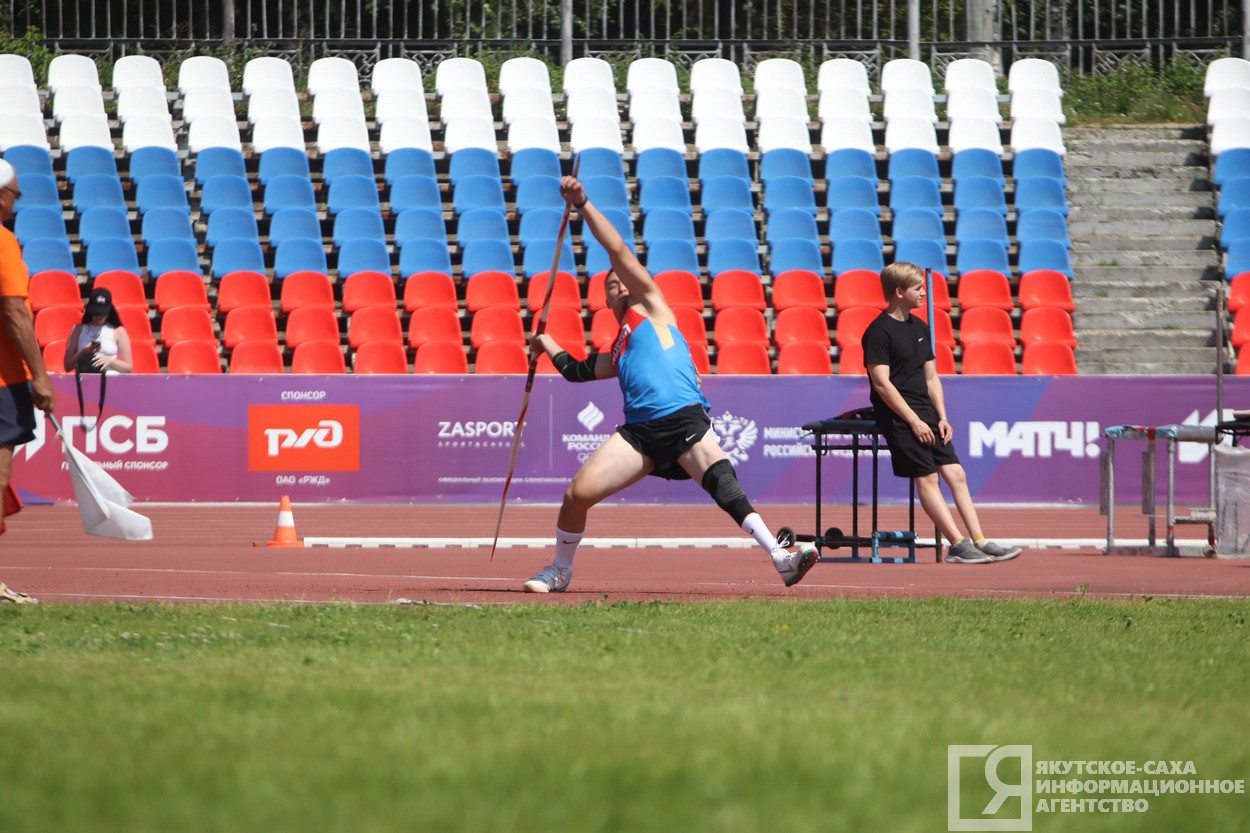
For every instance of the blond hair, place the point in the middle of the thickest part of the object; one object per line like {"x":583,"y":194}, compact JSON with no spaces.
{"x":900,"y":275}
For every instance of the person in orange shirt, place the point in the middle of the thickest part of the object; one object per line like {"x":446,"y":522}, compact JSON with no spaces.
{"x":24,"y":383}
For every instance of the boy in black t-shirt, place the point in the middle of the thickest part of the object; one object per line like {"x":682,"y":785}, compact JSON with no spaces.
{"x":909,"y":405}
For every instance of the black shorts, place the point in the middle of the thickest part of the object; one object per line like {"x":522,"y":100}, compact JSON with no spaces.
{"x":17,"y":415}
{"x":911,"y":458}
{"x":665,"y":439}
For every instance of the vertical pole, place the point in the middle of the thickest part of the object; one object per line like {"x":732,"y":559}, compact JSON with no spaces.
{"x":566,"y":31}
{"x":928,"y":298}
{"x":913,"y":29}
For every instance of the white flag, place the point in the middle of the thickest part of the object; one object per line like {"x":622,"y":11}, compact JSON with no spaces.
{"x":101,"y":500}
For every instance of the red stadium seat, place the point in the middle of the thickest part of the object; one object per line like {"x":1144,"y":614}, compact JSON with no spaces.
{"x":738,"y":288}
{"x":1240,"y":334}
{"x":306,"y":289}
{"x":804,"y":358}
{"x":740,"y":324}
{"x":143,"y":357}
{"x":256,"y":357}
{"x":850,"y":324}
{"x":799,"y":288}
{"x":858,"y":288}
{"x":54,"y":356}
{"x":375,"y":323}
{"x":54,"y":323}
{"x":441,"y":357}
{"x":1047,"y":324}
{"x":318,"y":357}
{"x":126,"y":287}
{"x":745,"y":358}
{"x":943,"y":329}
{"x":1243,"y":363}
{"x":193,"y":357}
{"x":496,"y":324}
{"x":306,"y":324}
{"x":985,"y":288}
{"x":186,"y":324}
{"x":433,"y":324}
{"x":180,"y":289}
{"x":800,"y":324}
{"x":430,"y":289}
{"x":491,"y":289}
{"x":567,"y":292}
{"x":989,"y":358}
{"x":375,"y":357}
{"x":242,"y":289}
{"x":566,"y":327}
{"x":604,"y":327}
{"x":595,"y":297}
{"x":851,"y":360}
{"x":692,"y":326}
{"x":1047,"y":288}
{"x":702,"y":364}
{"x":249,"y":324}
{"x":53,"y":288}
{"x":944,"y":359}
{"x":138,"y":324}
{"x":981,"y":324}
{"x":1048,"y":358}
{"x":681,"y":289}
{"x":501,"y":357}
{"x":367,"y":289}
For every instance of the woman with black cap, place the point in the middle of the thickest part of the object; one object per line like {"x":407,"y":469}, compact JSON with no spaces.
{"x":100,"y":344}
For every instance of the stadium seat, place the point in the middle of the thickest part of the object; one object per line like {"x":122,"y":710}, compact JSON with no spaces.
{"x":565,"y":293}
{"x":1044,"y":254}
{"x":242,"y":289}
{"x":911,"y":192}
{"x":126,"y":287}
{"x":799,"y":254}
{"x":855,"y":254}
{"x":163,"y":224}
{"x":1046,"y":288}
{"x":299,"y":254}
{"x":218,"y":161}
{"x":988,"y":358}
{"x":977,"y":254}
{"x":975,"y":133}
{"x":83,"y":161}
{"x":441,"y":357}
{"x":804,"y":358}
{"x":306,"y":288}
{"x":943,"y":330}
{"x":913,"y":162}
{"x":258,"y":357}
{"x":1048,"y":358}
{"x":239,"y":256}
{"x":977,"y":162}
{"x":681,"y":288}
{"x":311,"y":323}
{"x":54,"y":356}
{"x":724,"y":193}
{"x":1043,"y":224}
{"x":801,"y":324}
{"x":565,"y":326}
{"x":980,"y":324}
{"x":1032,"y":132}
{"x":927,"y":254}
{"x":540,"y":255}
{"x":41,"y":221}
{"x":379,"y":322}
{"x":796,"y":192}
{"x":224,"y":191}
{"x":980,"y":224}
{"x":423,"y":255}
{"x":186,"y":324}
{"x":484,"y":256}
{"x":1237,"y":258}
{"x":737,"y":224}
{"x":854,"y":224}
{"x":799,"y":288}
{"x":533,"y":161}
{"x":193,"y":357}
{"x":730,"y":256}
{"x":737,"y":288}
{"x":429,"y":289}
{"x":604,"y":328}
{"x":159,"y":191}
{"x":1231,"y":164}
{"x":138,"y":324}
{"x":230,"y":224}
{"x":850,"y":324}
{"x":368,"y":288}
{"x":980,"y":192}
{"x":346,"y":162}
{"x":413,"y":162}
{"x":172,"y":254}
{"x":1038,"y":162}
{"x":90,"y":191}
{"x":496,"y":323}
{"x":744,"y":358}
{"x":1047,"y":324}
{"x":359,"y":224}
{"x":54,"y":323}
{"x":433,"y":324}
{"x":491,"y":289}
{"x":54,"y":288}
{"x":379,"y":357}
{"x":1036,"y":192}
{"x":249,"y":323}
{"x":501,"y":358}
{"x":477,"y":191}
{"x":282,"y":161}
{"x":670,"y":255}
{"x":919,"y":224}
{"x":791,"y":224}
{"x":289,"y":191}
{"x":791,"y":162}
{"x":739,"y":324}
{"x":858,"y":288}
{"x":102,"y":223}
{"x":29,"y":159}
{"x":418,"y":223}
{"x":722,"y":162}
{"x":363,"y":255}
{"x":985,"y":288}
{"x":111,"y":254}
{"x":318,"y":357}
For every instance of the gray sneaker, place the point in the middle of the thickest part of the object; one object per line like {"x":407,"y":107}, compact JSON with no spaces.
{"x":966,"y":552}
{"x":803,"y":559}
{"x":552,"y":579}
{"x":997,"y":552}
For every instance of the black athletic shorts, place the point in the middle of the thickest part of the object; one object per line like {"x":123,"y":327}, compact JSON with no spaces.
{"x":911,"y":458}
{"x":17,"y":414}
{"x":665,"y":439}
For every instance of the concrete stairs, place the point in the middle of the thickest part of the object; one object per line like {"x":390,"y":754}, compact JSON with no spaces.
{"x":1144,"y":250}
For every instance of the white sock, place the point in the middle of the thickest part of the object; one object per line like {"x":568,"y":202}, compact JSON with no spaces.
{"x":566,"y":547}
{"x":754,"y":526}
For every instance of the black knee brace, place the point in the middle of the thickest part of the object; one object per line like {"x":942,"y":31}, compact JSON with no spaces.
{"x":721,"y":483}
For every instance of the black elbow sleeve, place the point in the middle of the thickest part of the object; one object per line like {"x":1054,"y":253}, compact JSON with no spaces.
{"x":574,"y":370}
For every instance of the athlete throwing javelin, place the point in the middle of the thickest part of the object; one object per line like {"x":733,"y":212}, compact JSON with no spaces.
{"x":667,"y":431}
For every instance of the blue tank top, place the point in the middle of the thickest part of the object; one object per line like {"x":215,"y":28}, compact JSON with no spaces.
{"x":654,"y":368}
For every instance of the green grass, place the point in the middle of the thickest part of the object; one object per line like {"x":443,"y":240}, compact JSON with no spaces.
{"x":738,"y":716}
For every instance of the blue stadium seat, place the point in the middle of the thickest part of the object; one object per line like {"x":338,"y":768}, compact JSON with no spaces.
{"x":667,"y":224}
{"x":981,"y":224}
{"x":927,"y":254}
{"x":1037,"y":162}
{"x":485,"y":255}
{"x":854,"y":223}
{"x":600,"y":162}
{"x":534,"y":162}
{"x":299,"y":254}
{"x":39,"y":221}
{"x":731,"y":223}
{"x":539,"y":224}
{"x":660,"y":162}
{"x":667,"y":255}
{"x":240,"y":256}
{"x":1042,"y":224}
{"x":48,"y":253}
{"x":918,"y":224}
{"x":980,"y":192}
{"x":415,"y":191}
{"x":606,"y":191}
{"x":915,"y":192}
{"x":664,"y":192}
{"x":225,"y":191}
{"x":172,"y":254}
{"x":341,"y":162}
{"x":1040,"y":192}
{"x":472,"y":162}
{"x":219,"y":161}
{"x":417,"y":223}
{"x":1044,"y":254}
{"x":857,"y":253}
{"x":785,"y":162}
{"x":363,"y":254}
{"x":353,"y":191}
{"x":912,"y":162}
{"x":1230,"y":164}
{"x":110,"y":254}
{"x":277,"y":162}
{"x":850,"y":162}
{"x":723,"y":162}
{"x":89,"y":160}
{"x":795,"y":253}
{"x":478,"y":191}
{"x":795,"y":192}
{"x":976,"y":162}
{"x":849,"y":192}
{"x":161,"y":191}
{"x":166,"y":224}
{"x":725,"y":255}
{"x":1238,"y":258}
{"x":358,"y":224}
{"x":289,"y":191}
{"x":791,"y":224}
{"x":29,"y":159}
{"x":102,"y":222}
{"x":538,"y":191}
{"x":90,"y":191}
{"x":538,"y":256}
{"x":153,"y":160}
{"x":424,"y":255}
{"x":726,"y":193}
{"x":481,"y":224}
{"x":1235,"y":226}
{"x":1235,"y":194}
{"x":293,"y":223}
{"x":230,"y":224}
{"x":409,"y":162}
{"x":982,"y":253}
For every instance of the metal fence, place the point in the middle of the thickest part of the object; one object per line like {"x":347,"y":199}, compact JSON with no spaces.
{"x":1082,"y":35}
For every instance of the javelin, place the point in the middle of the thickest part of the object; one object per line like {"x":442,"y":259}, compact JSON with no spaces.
{"x":533,"y":368}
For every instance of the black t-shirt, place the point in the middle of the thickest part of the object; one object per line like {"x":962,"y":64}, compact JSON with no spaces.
{"x":905,"y":346}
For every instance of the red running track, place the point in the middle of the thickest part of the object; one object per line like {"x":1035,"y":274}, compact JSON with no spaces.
{"x":207,"y":553}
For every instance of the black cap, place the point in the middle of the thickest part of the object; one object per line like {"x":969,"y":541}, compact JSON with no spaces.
{"x":99,"y":302}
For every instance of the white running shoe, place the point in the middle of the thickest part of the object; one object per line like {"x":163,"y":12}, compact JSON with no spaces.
{"x":11,"y":596}
{"x":552,"y":579}
{"x":801,"y":560}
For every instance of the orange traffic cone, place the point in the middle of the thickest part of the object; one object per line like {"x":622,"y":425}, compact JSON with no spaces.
{"x":284,"y":533}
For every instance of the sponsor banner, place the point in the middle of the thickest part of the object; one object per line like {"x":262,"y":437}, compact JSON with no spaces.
{"x":437,"y":438}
